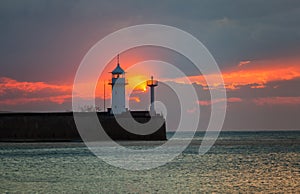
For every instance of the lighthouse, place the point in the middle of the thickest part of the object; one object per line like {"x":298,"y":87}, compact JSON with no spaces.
{"x":118,"y":83}
{"x":152,"y":83}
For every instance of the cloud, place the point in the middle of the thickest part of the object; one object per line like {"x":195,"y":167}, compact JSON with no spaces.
{"x":282,"y":88}
{"x":51,"y":37}
{"x":13,"y":92}
{"x":277,"y":101}
{"x":257,"y":75}
{"x":135,"y":98}
{"x":22,"y":100}
{"x":242,"y":63}
{"x":210,"y":102}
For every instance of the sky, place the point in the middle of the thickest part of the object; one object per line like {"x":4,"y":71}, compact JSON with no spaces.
{"x":255,"y":43}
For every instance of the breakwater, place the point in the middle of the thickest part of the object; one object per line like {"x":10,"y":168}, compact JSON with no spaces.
{"x":60,"y":126}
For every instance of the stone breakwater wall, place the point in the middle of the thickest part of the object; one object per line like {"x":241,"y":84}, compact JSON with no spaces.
{"x":26,"y":127}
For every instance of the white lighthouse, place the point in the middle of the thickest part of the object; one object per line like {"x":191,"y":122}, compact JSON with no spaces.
{"x":118,"y":83}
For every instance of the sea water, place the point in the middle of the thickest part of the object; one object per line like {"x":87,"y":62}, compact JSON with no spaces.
{"x":238,"y":162}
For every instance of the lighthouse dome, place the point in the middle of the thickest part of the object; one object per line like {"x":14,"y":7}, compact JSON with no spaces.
{"x":118,"y":70}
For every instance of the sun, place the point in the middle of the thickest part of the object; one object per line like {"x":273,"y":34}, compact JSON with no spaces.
{"x":138,"y":82}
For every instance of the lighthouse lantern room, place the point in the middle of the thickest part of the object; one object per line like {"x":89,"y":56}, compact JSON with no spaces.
{"x":118,"y":83}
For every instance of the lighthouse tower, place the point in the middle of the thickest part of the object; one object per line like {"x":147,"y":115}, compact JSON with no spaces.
{"x":152,"y":84}
{"x":118,"y":83}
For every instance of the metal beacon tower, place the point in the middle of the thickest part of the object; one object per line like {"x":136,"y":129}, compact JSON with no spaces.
{"x":152,"y":83}
{"x":118,"y":83}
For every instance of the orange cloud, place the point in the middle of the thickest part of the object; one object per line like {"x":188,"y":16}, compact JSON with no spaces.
{"x":8,"y":83}
{"x":258,"y":74}
{"x":13,"y":92}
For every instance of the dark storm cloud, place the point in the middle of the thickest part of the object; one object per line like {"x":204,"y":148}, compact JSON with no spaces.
{"x":49,"y":38}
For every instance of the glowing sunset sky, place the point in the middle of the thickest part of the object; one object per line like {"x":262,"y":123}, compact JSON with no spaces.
{"x":256,"y":44}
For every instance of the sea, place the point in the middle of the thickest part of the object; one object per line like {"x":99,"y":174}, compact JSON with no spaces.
{"x":238,"y":162}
